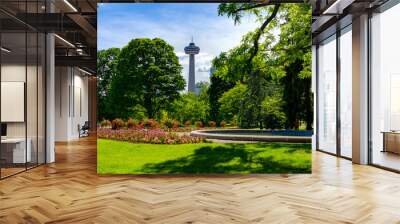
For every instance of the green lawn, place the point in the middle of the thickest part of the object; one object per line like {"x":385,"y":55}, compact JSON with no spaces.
{"x":115,"y":157}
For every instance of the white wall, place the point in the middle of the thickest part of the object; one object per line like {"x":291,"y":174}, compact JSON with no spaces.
{"x":71,"y":94}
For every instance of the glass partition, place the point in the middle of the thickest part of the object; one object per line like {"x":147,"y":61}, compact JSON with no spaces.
{"x":14,"y":153}
{"x":327,"y":95}
{"x":22,"y":77}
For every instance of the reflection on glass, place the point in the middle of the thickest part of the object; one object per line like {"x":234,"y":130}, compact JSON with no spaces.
{"x":346,"y":93}
{"x":327,"y":95}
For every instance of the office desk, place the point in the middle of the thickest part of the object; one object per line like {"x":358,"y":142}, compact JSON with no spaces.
{"x":13,"y":150}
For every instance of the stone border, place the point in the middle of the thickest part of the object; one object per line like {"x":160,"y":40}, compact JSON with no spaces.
{"x":212,"y":134}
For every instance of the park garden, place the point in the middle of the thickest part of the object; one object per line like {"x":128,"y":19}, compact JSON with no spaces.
{"x":145,"y":117}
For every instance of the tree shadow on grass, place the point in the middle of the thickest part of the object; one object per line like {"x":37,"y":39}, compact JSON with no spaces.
{"x":286,"y":147}
{"x":230,"y":158}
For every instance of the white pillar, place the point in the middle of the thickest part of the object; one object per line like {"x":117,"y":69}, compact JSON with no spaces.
{"x":360,"y":89}
{"x":50,"y":99}
{"x":314,"y":91}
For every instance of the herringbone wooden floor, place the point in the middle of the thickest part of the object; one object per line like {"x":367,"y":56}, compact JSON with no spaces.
{"x":70,"y":191}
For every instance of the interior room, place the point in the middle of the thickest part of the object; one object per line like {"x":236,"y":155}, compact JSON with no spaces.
{"x":22,"y":99}
{"x":72,"y":111}
{"x":48,"y":64}
{"x":385,"y":89}
{"x":47,"y":80}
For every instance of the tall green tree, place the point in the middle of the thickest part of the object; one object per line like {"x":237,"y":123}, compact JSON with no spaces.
{"x":106,"y":71}
{"x":289,"y":57}
{"x":294,"y":48}
{"x":149,"y":77}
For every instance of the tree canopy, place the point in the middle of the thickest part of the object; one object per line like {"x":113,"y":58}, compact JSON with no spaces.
{"x":149,"y":76}
{"x":266,"y":61}
{"x":106,"y":70}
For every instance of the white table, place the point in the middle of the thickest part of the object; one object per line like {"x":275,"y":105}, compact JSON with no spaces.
{"x":19,"y":155}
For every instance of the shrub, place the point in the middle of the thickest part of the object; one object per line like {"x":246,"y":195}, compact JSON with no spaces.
{"x":198,"y":124}
{"x":188,"y":123}
{"x":132,"y":123}
{"x":273,"y":115}
{"x":150,"y":124}
{"x":222,"y":124}
{"x":154,"y":136}
{"x":105,"y":123}
{"x":168,"y":123}
{"x":175,"y":124}
{"x":189,"y":107}
{"x":117,"y":124}
{"x":212,"y":124}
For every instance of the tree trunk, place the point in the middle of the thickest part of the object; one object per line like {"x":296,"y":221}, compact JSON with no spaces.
{"x":149,"y":106}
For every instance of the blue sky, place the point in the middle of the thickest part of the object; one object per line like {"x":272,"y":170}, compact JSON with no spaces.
{"x":175,"y":23}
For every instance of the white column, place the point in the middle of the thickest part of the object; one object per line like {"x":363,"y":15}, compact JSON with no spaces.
{"x":360,"y":90}
{"x":314,"y":91}
{"x":50,"y":98}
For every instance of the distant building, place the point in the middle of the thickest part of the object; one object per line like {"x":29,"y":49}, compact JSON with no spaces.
{"x":192,"y":50}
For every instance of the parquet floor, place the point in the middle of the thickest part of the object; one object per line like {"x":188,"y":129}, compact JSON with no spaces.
{"x":70,"y":191}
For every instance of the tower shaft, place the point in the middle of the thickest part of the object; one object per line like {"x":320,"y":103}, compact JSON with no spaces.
{"x":191,"y":84}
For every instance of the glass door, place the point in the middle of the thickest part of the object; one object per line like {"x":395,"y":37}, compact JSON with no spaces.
{"x":327,"y":95}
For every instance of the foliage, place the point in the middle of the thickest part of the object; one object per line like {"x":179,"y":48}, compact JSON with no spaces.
{"x":203,"y":90}
{"x":149,"y":75}
{"x":283,"y":63}
{"x":263,"y":82}
{"x":212,"y":124}
{"x":296,"y":57}
{"x":106,"y":71}
{"x":189,"y":107}
{"x":273,"y":115}
{"x":231,"y":101}
{"x":168,"y":123}
{"x":198,"y":124}
{"x":105,"y":123}
{"x":153,"y":136}
{"x":222,"y":124}
{"x":217,"y":87}
{"x":117,"y":124}
{"x":150,"y":124}
{"x":132,"y":123}
{"x":205,"y":158}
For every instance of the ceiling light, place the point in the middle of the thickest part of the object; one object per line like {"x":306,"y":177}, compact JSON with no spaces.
{"x":70,"y":5}
{"x":65,"y":41}
{"x":5,"y":50}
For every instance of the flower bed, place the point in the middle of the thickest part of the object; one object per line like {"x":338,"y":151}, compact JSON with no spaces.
{"x":153,"y":136}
